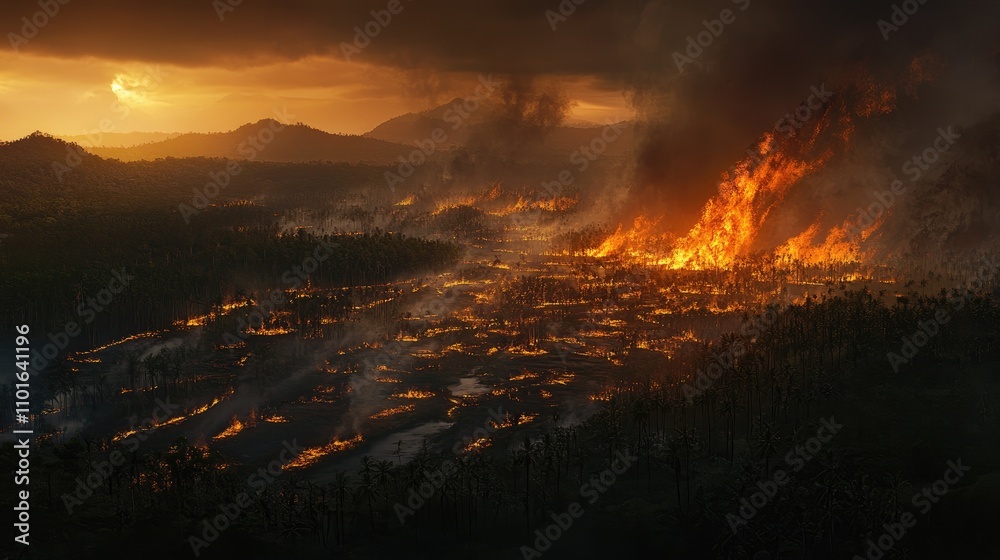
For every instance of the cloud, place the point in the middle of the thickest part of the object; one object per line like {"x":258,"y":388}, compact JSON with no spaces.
{"x":696,"y":123}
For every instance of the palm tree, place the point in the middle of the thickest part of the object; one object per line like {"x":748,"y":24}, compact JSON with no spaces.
{"x":527,"y":483}
{"x":384,"y":474}
{"x":368,"y":485}
{"x":341,"y":487}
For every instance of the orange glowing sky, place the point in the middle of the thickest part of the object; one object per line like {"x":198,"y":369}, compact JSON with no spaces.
{"x":220,"y":69}
{"x":72,"y":96}
{"x":223,"y":69}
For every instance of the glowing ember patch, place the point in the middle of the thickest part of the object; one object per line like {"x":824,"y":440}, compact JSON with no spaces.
{"x":88,"y":360}
{"x":78,"y":357}
{"x":271,"y":331}
{"x":478,"y":445}
{"x":508,"y":421}
{"x":413,"y":394}
{"x":202,"y":320}
{"x":561,"y":379}
{"x":604,"y":396}
{"x":687,"y":336}
{"x":313,"y":455}
{"x":48,"y":436}
{"x":440,"y":331}
{"x":526,"y":418}
{"x":176,"y":419}
{"x":428,"y":354}
{"x":393,"y":411}
{"x":140,"y":389}
{"x":450,"y":205}
{"x":276,"y":419}
{"x":520,"y":350}
{"x":234,"y":428}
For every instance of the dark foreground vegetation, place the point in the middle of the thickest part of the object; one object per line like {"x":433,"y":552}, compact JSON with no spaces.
{"x":72,"y":238}
{"x":697,"y":454}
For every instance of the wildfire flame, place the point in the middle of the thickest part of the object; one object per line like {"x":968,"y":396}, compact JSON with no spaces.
{"x":312,"y":455}
{"x":393,"y":411}
{"x":174,"y":420}
{"x":234,"y":428}
{"x":730,"y":222}
{"x":843,"y":244}
{"x":413,"y":394}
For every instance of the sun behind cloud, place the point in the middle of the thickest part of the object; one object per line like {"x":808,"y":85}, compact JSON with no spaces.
{"x":134,"y":89}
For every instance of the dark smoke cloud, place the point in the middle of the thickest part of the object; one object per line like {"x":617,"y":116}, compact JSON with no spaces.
{"x":517,"y":119}
{"x":699,"y":122}
{"x":504,"y":36}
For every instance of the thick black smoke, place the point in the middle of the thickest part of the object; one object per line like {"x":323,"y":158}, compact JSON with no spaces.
{"x":516,"y":120}
{"x":704,"y":103}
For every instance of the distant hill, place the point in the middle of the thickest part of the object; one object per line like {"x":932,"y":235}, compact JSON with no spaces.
{"x":459,"y":126}
{"x":118,"y":139}
{"x":259,"y":141}
{"x":36,"y":149}
{"x":269,"y":140}
{"x":39,"y":157}
{"x":45,"y":177}
{"x":405,"y":129}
